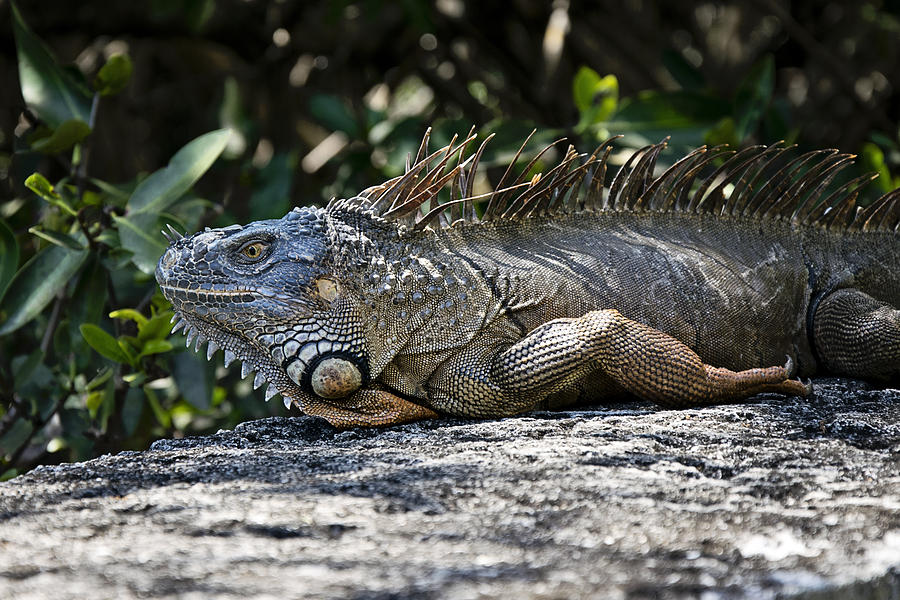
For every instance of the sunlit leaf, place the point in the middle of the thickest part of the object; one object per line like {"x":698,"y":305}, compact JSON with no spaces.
{"x":48,"y":89}
{"x":583,"y":88}
{"x":63,"y":137}
{"x":38,"y":184}
{"x":595,"y":97}
{"x":93,"y":402}
{"x":872,"y":159}
{"x":114,"y":75}
{"x":37,"y":283}
{"x":129,"y":313}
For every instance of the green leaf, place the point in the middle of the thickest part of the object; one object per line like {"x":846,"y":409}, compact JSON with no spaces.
{"x":103,"y":343}
{"x":139,"y":234}
{"x":17,"y":435}
{"x":654,"y":110}
{"x":98,"y":380}
{"x":161,"y":189}
{"x":687,"y":76}
{"x":753,"y":96}
{"x":63,"y":137}
{"x":36,"y":284}
{"x":115,"y":194}
{"x":161,"y":414}
{"x":194,"y":377}
{"x":132,"y":409}
{"x":110,"y":237}
{"x":109,"y":403}
{"x":24,"y":367}
{"x":157,"y":328}
{"x":155,"y":347}
{"x":55,"y":237}
{"x":135,"y":379}
{"x":331,"y":111}
{"x":114,"y":75}
{"x":89,"y":296}
{"x":9,"y":474}
{"x":48,"y":89}
{"x":9,"y":256}
{"x":722,"y":133}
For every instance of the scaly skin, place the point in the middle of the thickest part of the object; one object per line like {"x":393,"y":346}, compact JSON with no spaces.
{"x":364,"y":315}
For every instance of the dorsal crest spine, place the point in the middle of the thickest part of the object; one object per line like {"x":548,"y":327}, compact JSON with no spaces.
{"x":763,"y":182}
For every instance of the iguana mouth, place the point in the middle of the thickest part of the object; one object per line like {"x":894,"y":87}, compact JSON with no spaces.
{"x":199,"y":331}
{"x":204,"y":293}
{"x":220,"y":291}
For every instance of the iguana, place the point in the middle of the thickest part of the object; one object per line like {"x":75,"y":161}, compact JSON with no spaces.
{"x":682,"y":287}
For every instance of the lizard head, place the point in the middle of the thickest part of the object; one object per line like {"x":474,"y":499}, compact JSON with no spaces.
{"x":263,"y":293}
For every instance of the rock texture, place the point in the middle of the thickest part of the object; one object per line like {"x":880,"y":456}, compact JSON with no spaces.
{"x":776,"y":499}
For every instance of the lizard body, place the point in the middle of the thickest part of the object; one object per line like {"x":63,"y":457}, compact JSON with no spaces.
{"x":676,"y":288}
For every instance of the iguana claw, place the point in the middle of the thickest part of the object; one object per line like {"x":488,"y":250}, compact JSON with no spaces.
{"x":789,"y":366}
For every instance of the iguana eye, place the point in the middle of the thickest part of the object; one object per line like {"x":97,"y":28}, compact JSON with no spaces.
{"x":253,"y":250}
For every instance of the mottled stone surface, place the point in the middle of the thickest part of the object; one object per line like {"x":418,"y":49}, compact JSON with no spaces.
{"x":781,"y":498}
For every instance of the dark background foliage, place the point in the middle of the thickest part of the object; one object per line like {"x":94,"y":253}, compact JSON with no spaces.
{"x":326,"y":98}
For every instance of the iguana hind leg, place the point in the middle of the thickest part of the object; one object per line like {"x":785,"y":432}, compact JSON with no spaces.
{"x":857,"y":335}
{"x":634,"y":357}
{"x":642,"y":360}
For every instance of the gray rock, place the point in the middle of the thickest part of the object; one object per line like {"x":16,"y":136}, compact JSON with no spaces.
{"x":781,"y":498}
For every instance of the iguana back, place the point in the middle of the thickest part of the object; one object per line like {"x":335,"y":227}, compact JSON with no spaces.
{"x":738,"y":290}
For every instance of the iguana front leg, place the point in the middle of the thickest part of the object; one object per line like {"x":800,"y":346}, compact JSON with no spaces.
{"x":643,"y":361}
{"x":365,"y":408}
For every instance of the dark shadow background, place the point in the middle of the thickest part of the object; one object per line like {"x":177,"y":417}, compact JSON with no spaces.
{"x":474,"y":62}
